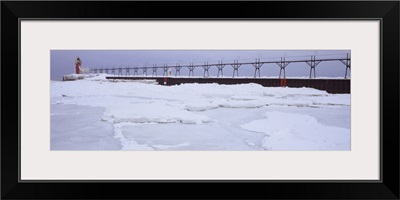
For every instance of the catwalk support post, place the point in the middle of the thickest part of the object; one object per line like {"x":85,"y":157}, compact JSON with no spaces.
{"x":313,"y":63}
{"x":191,"y":68}
{"x":178,"y":69}
{"x":206,"y":67}
{"x":220,"y":67}
{"x":347,"y":63}
{"x":154,"y":70}
{"x":257,"y":65}
{"x":235,"y":66}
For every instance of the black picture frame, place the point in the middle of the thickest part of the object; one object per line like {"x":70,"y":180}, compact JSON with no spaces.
{"x":386,"y":11}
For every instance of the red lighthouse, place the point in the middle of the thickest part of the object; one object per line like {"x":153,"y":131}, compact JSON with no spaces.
{"x":78,"y":63}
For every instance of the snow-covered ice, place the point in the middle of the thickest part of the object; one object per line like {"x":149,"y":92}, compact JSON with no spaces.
{"x":99,"y":114}
{"x":283,"y":130}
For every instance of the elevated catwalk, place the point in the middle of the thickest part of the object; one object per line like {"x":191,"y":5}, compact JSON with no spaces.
{"x":329,"y":85}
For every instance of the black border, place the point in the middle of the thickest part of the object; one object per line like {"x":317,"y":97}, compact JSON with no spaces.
{"x":386,"y":11}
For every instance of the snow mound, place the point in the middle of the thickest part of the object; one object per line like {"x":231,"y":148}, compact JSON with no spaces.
{"x":243,"y":104}
{"x":157,"y":112}
{"x":201,"y":105}
{"x":72,"y":77}
{"x":98,"y":77}
{"x":293,"y":92}
{"x":224,"y":103}
{"x":244,"y":98}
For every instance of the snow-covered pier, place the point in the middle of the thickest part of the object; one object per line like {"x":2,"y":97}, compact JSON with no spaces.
{"x":334,"y":86}
{"x":74,"y":77}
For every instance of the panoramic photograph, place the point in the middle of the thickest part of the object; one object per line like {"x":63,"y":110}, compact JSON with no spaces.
{"x":200,"y":100}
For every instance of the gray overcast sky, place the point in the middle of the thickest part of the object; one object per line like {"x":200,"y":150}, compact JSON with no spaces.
{"x":62,"y":61}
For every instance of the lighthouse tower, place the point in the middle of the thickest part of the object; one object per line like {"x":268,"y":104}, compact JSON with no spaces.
{"x":78,"y":63}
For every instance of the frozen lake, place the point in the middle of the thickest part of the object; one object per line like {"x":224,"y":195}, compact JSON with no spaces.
{"x":97,"y":114}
